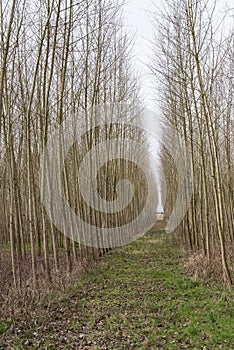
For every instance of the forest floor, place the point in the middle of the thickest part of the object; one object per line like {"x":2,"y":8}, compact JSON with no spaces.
{"x":137,"y":297}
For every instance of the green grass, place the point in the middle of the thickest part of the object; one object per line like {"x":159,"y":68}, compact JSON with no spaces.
{"x":139,"y":297}
{"x":5,"y":325}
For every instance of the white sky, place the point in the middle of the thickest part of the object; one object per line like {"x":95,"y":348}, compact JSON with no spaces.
{"x":136,"y":17}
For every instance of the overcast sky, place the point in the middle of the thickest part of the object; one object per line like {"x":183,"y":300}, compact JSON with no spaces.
{"x":137,"y":21}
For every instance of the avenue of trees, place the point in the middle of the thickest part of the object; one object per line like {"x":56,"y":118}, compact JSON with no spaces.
{"x":60,"y":59}
{"x":194,"y":70}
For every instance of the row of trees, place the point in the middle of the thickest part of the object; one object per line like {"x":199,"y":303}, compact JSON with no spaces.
{"x":57,"y":57}
{"x":194,"y":67}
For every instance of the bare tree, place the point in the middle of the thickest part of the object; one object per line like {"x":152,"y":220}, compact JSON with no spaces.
{"x":195,"y":92}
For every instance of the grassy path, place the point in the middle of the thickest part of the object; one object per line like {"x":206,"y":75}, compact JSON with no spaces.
{"x":138,"y":298}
